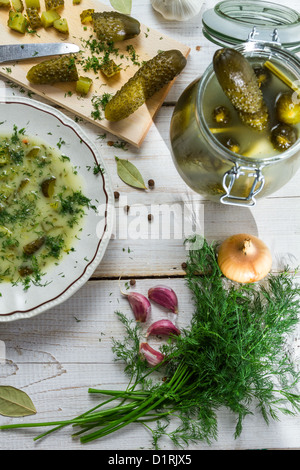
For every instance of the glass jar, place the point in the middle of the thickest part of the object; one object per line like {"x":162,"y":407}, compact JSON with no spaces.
{"x":205,"y":164}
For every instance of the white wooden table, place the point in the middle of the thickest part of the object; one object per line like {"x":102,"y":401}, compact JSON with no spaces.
{"x":56,"y":356}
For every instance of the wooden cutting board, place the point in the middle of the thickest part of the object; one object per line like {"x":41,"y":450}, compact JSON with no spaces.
{"x":149,"y":42}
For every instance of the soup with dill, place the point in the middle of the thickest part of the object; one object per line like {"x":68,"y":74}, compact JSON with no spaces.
{"x":41,"y":207}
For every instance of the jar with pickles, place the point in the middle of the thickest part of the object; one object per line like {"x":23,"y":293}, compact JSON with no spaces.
{"x":235,"y":132}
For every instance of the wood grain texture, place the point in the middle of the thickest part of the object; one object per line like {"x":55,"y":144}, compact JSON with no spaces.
{"x":146,"y":45}
{"x":57,"y":356}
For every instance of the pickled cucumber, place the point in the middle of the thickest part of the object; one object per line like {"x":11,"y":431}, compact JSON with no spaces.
{"x":263,"y":75}
{"x":34,"y":19}
{"x":48,"y":185}
{"x":4,"y":3}
{"x":109,"y":68}
{"x":288,"y":109}
{"x":48,"y":18}
{"x":112,"y":26}
{"x":54,"y":4}
{"x":258,"y":121}
{"x":86,"y":16}
{"x":32,"y":4}
{"x":4,"y":156}
{"x":61,"y":69}
{"x":283,"y":136}
{"x":221,"y":115}
{"x":150,"y":78}
{"x":34,"y":246}
{"x":83,"y":85}
{"x":17,"y":22}
{"x":238,"y":80}
{"x":17,"y":5}
{"x":61,"y":25}
{"x":240,"y":84}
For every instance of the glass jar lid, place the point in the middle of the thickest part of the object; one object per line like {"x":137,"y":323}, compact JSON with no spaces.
{"x":232,"y":22}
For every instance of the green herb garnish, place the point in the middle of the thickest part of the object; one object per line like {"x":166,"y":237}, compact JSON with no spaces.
{"x":232,"y":355}
{"x":99,"y":103}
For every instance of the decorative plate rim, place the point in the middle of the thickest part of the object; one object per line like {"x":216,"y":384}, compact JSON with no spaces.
{"x":103,"y":242}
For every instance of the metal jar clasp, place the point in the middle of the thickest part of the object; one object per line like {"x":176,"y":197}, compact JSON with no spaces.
{"x":264,"y":36}
{"x":232,"y":175}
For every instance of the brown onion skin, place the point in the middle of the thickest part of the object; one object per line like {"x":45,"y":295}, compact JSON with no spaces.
{"x":244,"y":258}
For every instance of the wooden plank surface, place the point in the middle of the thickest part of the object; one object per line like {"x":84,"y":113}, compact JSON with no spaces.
{"x":56,"y":356}
{"x":145,"y":46}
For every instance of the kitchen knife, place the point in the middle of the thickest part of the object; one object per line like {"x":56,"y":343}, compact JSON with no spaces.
{"x":12,"y":52}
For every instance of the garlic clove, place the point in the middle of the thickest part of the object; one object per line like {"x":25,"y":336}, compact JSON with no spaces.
{"x":180,"y":10}
{"x":163,"y":327}
{"x":164,"y":296}
{"x":140,"y":305}
{"x":151,"y":355}
{"x":244,"y":258}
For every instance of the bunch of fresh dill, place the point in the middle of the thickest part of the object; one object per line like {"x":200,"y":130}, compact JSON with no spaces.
{"x":231,"y":355}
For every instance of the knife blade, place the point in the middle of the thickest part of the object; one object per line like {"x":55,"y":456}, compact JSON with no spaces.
{"x":12,"y":52}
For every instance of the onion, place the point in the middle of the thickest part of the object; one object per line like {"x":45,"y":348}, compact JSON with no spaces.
{"x":244,"y":258}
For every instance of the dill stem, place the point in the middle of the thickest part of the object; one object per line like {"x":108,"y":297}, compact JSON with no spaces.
{"x":120,"y":423}
{"x":80,"y":416}
{"x":81,"y":420}
{"x":136,"y":394}
{"x":180,"y":377}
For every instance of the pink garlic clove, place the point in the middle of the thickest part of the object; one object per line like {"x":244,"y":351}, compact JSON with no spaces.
{"x":164,"y":296}
{"x":152,"y":356}
{"x":140,"y":305}
{"x":163,"y":327}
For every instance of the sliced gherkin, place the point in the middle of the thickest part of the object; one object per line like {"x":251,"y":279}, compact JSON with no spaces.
{"x":4,"y":156}
{"x":4,"y":3}
{"x":17,"y":22}
{"x":48,"y":17}
{"x":83,"y":85}
{"x":47,"y":186}
{"x":34,"y":18}
{"x":109,"y":68}
{"x":86,"y":15}
{"x":114,"y":26}
{"x":149,"y":79}
{"x":33,"y":4}
{"x":34,"y":246}
{"x":61,"y":69}
{"x":25,"y":271}
{"x":23,"y":184}
{"x":54,"y":4}
{"x":17,"y":5}
{"x":61,"y":25}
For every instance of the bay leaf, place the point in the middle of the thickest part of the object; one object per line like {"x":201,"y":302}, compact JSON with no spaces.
{"x":15,"y":403}
{"x":123,"y":6}
{"x":129,"y":174}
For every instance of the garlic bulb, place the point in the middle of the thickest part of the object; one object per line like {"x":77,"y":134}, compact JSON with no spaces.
{"x":180,"y":10}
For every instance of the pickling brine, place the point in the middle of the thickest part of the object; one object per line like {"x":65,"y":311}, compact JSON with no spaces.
{"x":224,"y":153}
{"x":236,"y":135}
